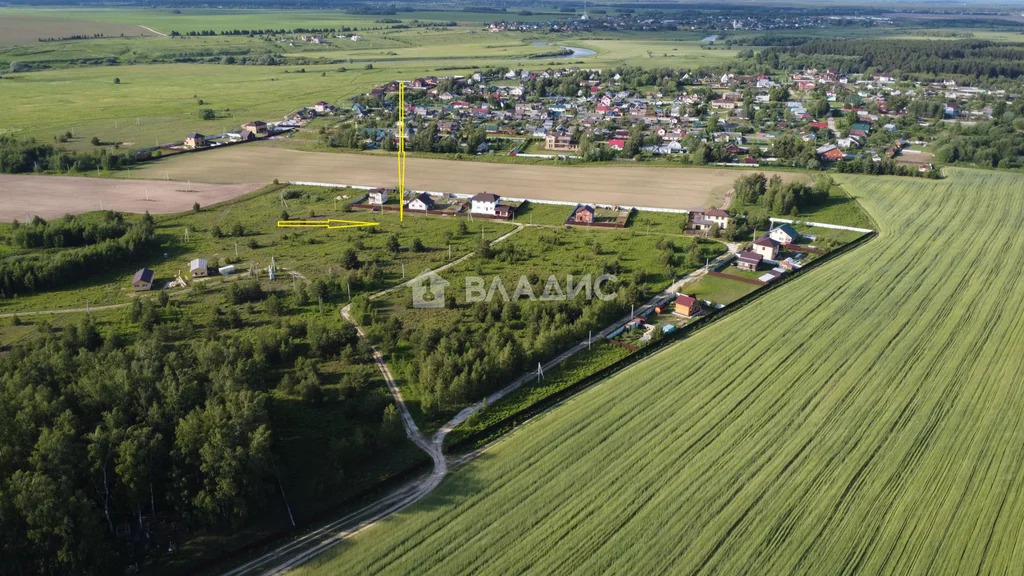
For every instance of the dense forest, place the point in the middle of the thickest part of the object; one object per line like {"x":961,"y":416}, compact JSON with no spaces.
{"x":975,"y":58}
{"x":117,"y":444}
{"x":996,"y":144}
{"x":26,"y":274}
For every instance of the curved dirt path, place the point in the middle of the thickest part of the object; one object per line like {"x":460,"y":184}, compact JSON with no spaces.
{"x":300,"y":550}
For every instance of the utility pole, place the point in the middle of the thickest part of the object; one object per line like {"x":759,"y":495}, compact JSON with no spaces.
{"x":348,"y":285}
{"x":590,"y":339}
{"x":540,"y":372}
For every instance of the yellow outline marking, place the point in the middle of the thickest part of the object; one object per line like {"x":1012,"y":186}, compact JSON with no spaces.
{"x":401,"y":151}
{"x":329,"y":224}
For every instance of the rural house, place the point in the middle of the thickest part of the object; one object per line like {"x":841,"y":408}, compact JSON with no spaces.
{"x":198,"y":268}
{"x":257,"y":127}
{"x":484,"y":203}
{"x":687,"y":306}
{"x":195,"y":140}
{"x":583,"y":215}
{"x":784,"y":234}
{"x":705,"y":219}
{"x":766,"y":248}
{"x":143,"y":280}
{"x":378,"y":196}
{"x":422,"y":201}
{"x":560,"y":142}
{"x":747,"y":260}
{"x":503,"y":211}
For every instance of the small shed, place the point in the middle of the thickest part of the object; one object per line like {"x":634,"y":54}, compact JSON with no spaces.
{"x":687,"y":306}
{"x":199,"y":268}
{"x":226,"y":270}
{"x":584,"y":215}
{"x":143,"y":280}
{"x":747,"y":260}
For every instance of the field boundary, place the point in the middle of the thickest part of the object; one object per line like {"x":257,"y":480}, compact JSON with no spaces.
{"x":509,"y":198}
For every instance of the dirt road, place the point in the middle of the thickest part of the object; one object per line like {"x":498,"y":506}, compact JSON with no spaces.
{"x":23,"y":196}
{"x":626,"y":184}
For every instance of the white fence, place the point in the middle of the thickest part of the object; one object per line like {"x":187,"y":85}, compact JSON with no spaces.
{"x":821,"y":225}
{"x":509,"y":198}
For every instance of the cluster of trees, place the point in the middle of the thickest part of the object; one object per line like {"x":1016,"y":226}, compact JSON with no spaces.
{"x":27,"y":155}
{"x":774,"y":196}
{"x":464,"y":361}
{"x":426,"y":139}
{"x":999,"y":143}
{"x":262,"y":32}
{"x":68,"y":231}
{"x":976,"y":58}
{"x":117,"y":444}
{"x":26,"y":275}
{"x":100,"y":436}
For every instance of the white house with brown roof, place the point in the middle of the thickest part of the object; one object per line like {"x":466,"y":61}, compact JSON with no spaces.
{"x":484,"y":203}
{"x":422,"y":202}
{"x":378,"y":196}
{"x":766,"y":248}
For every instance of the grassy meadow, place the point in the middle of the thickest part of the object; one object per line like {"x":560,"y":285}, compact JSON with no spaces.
{"x":865,"y":419}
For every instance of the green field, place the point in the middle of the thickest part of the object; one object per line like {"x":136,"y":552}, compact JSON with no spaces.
{"x":865,"y":419}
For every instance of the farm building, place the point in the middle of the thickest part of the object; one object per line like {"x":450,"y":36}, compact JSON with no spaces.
{"x":378,"y":196}
{"x":143,"y":280}
{"x":422,"y":201}
{"x":484,"y":203}
{"x":766,"y":248}
{"x":246,"y":136}
{"x":199,"y":268}
{"x":583,"y":215}
{"x":747,"y":260}
{"x":784,"y":234}
{"x":195,"y":140}
{"x":687,"y":306}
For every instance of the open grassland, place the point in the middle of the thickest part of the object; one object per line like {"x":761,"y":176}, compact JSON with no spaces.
{"x":865,"y":419}
{"x":244,"y":232}
{"x":621,"y":184}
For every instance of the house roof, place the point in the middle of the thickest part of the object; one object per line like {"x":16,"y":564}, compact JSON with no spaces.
{"x":788,"y":230}
{"x":585,"y":208}
{"x":765,"y":241}
{"x":143,"y":275}
{"x":717,"y":214}
{"x":195,"y":135}
{"x":425,"y":198}
{"x":485,"y":197}
{"x":245,"y":134}
{"x":684,"y":300}
{"x":752,"y":257}
{"x":197,"y":263}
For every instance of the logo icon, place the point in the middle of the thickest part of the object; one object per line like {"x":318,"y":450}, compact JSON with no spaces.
{"x":428,"y":290}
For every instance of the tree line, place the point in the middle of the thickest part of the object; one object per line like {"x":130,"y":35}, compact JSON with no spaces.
{"x":976,"y":58}
{"x":21,"y":275}
{"x":28,"y":155}
{"x":69,"y":231}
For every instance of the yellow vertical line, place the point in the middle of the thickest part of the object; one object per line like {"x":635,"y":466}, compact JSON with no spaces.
{"x":401,"y":151}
